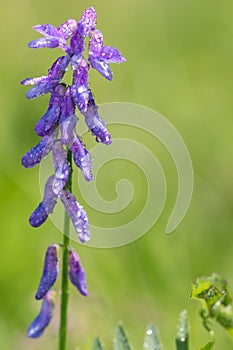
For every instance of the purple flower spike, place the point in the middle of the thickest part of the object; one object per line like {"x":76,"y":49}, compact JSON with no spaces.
{"x":100,"y":56}
{"x":67,"y":29}
{"x":95,"y":123}
{"x":81,"y":157}
{"x":51,"y":117}
{"x":80,"y":90}
{"x":35,"y":155}
{"x":76,"y":272}
{"x":61,"y":168}
{"x":38,"y":326}
{"x":50,"y":271}
{"x":77,"y":214}
{"x":87,"y":22}
{"x":46,"y":207}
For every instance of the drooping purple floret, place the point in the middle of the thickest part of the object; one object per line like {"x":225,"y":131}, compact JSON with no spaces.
{"x":50,"y":119}
{"x":100,"y":56}
{"x":48,"y":42}
{"x":76,"y":272}
{"x":58,"y":68}
{"x":79,"y":89}
{"x":95,"y":123}
{"x":40,"y":89}
{"x":77,"y":215}
{"x":68,"y":119}
{"x":87,"y":22}
{"x":46,"y":84}
{"x":35,"y":155}
{"x":61,"y":168}
{"x":52,"y":37}
{"x":50,"y":271}
{"x":38,"y":326}
{"x":81,"y":157}
{"x":76,"y":50}
{"x":46,"y":207}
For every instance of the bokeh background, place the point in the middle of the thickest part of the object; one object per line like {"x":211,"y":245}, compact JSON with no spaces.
{"x":179,"y":63}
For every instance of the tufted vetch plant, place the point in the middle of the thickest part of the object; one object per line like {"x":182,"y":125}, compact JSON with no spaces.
{"x":57,"y":129}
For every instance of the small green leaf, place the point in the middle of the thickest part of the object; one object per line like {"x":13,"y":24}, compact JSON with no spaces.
{"x":182,"y":336}
{"x":216,"y":300}
{"x":120,"y":340}
{"x":208,"y":346}
{"x":97,"y":344}
{"x":151,"y":340}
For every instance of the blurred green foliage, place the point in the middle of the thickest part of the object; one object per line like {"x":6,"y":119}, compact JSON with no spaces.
{"x":179,"y":62}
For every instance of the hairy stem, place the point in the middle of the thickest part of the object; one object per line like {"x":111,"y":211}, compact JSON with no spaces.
{"x":65,"y":279}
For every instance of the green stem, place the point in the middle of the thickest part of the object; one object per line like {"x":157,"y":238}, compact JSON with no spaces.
{"x":65,"y":279}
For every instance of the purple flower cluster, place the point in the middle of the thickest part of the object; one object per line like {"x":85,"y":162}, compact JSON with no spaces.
{"x":50,"y":271}
{"x":57,"y":127}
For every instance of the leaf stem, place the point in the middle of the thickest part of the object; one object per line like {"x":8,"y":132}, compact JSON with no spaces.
{"x":65,"y":279}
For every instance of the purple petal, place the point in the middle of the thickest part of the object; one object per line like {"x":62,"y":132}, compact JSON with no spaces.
{"x":48,"y":42}
{"x":95,"y":123}
{"x":61,"y":167}
{"x":81,"y":157}
{"x":87,"y":22}
{"x":46,"y":207}
{"x":51,"y":117}
{"x":66,"y":29}
{"x":77,"y":46}
{"x":47,"y":84}
{"x":67,"y":127}
{"x":47,"y":30}
{"x":35,"y":155}
{"x":111,"y":55}
{"x":35,"y":81}
{"x":40,"y":89}
{"x":96,"y":42}
{"x":50,"y":271}
{"x":76,"y":272}
{"x":79,"y":89}
{"x":101,"y":66}
{"x":77,"y":215}
{"x":39,"y":216}
{"x":38,"y":326}
{"x":58,"y":68}
{"x":68,"y":119}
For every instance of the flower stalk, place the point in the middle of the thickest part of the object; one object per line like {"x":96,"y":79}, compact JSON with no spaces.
{"x":65,"y":257}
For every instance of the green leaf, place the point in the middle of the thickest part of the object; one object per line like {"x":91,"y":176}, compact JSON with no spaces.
{"x":216,"y":300}
{"x":97,"y":344}
{"x":120,"y":340}
{"x":151,"y":340}
{"x":208,"y":346}
{"x":182,"y":336}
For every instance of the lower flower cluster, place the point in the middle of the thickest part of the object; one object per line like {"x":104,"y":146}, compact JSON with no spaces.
{"x":77,"y":277}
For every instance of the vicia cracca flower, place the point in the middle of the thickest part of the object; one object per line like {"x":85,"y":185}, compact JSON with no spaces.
{"x":37,"y":327}
{"x":57,"y":127}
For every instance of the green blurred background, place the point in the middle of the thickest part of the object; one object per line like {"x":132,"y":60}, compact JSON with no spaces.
{"x":179,"y":63}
